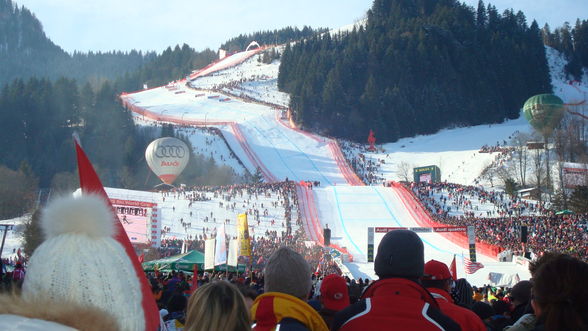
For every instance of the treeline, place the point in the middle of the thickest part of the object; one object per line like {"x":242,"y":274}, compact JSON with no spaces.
{"x":416,"y":67}
{"x":573,"y":43}
{"x":38,"y":118}
{"x":275,"y":37}
{"x":170,"y":65}
{"x":27,"y":52}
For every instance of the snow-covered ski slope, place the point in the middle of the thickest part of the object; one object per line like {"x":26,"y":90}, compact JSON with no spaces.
{"x":261,"y":139}
{"x":254,"y":132}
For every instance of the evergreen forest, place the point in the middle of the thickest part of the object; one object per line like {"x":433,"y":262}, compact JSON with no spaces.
{"x":418,"y":66}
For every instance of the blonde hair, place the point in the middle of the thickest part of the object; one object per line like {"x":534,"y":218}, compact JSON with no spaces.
{"x":217,"y":306}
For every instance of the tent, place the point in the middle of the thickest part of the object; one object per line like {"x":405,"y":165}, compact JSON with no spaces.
{"x":564,"y":212}
{"x":185,"y":262}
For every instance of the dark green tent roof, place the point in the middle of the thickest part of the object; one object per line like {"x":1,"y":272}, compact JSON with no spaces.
{"x":184,"y":262}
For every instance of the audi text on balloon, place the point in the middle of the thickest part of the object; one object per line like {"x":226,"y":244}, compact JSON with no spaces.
{"x":167,"y":157}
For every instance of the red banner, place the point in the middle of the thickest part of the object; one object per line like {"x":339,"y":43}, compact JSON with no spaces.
{"x":132,"y":203}
{"x":423,"y":229}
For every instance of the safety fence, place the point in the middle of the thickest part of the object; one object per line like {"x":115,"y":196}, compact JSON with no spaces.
{"x":423,"y":218}
{"x":306,"y":199}
{"x":226,"y":62}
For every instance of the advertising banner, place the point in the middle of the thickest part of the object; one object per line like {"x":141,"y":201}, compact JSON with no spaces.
{"x":244,"y":241}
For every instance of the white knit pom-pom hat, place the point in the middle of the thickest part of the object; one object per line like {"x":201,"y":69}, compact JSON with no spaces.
{"x":81,"y":262}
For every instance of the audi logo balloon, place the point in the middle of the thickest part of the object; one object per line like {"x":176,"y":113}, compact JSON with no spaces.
{"x":167,"y":158}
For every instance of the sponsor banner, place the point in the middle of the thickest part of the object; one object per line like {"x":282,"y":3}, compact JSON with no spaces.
{"x":450,"y":229}
{"x":220,"y":252}
{"x":243,"y":237}
{"x":209,"y":254}
{"x":574,"y":174}
{"x":387,"y":229}
{"x":370,"y":235}
{"x":425,"y":178}
{"x":422,"y":229}
{"x":132,"y":203}
{"x":233,"y":252}
{"x":471,"y":232}
{"x":155,"y":225}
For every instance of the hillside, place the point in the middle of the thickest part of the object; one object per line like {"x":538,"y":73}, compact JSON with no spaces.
{"x":27,"y":52}
{"x":416,"y":67}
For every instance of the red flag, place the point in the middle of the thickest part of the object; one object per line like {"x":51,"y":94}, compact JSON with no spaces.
{"x":453,"y":268}
{"x":141,"y":258}
{"x":90,"y":183}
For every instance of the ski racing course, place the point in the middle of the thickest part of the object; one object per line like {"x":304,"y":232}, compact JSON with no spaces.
{"x":342,"y":202}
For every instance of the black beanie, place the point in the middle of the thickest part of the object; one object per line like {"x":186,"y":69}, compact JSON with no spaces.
{"x":400,"y":254}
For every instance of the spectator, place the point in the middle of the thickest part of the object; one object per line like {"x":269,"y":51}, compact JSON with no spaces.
{"x":484,"y":312}
{"x":560,"y":294}
{"x":334,"y":297}
{"x":501,"y":317}
{"x":18,"y":274}
{"x":528,"y":321}
{"x":478,"y":296}
{"x":463,"y":294}
{"x":520,"y":296}
{"x":176,"y":308}
{"x":217,"y":306}
{"x":437,"y":279}
{"x":80,"y":276}
{"x":287,"y":286}
{"x":397,"y":298}
{"x":249,"y":293}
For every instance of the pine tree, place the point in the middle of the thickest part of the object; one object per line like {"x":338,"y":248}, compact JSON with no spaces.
{"x":579,"y":199}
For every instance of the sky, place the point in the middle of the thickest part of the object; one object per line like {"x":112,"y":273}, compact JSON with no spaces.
{"x":104,"y":25}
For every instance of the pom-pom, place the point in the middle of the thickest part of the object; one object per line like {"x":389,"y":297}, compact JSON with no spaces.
{"x":88,"y":214}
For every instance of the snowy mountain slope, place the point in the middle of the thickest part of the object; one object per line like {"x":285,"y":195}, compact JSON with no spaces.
{"x":288,"y":153}
{"x":260,"y":138}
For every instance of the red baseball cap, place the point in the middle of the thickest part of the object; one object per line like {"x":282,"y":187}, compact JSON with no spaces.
{"x":435,"y":270}
{"x":334,"y":293}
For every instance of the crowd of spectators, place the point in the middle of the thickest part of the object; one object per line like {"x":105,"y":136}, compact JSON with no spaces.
{"x":366,"y":168}
{"x":287,"y":230}
{"x":272,"y":209}
{"x":285,"y":291}
{"x":502,"y":226}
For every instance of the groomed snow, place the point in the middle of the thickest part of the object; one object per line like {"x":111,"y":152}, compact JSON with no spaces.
{"x":286,"y":153}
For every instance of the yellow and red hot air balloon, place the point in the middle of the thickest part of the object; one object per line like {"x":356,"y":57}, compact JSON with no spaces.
{"x":167,"y":157}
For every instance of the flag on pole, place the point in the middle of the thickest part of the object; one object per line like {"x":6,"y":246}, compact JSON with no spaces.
{"x":209,"y":254}
{"x":91,"y":184}
{"x":220,"y":251}
{"x":233,"y":258}
{"x":471,"y":267}
{"x":244,"y":241}
{"x":453,"y":268}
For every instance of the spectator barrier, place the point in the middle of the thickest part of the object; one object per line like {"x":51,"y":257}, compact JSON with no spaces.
{"x":421,"y":215}
{"x":305,"y":196}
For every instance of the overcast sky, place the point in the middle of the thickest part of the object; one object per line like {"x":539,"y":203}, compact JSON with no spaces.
{"x":156,"y":24}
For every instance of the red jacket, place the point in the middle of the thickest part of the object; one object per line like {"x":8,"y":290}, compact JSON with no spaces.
{"x":394,"y":304}
{"x":467,"y":319}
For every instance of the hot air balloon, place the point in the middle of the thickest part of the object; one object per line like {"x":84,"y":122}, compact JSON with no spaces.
{"x":167,"y":157}
{"x":544,"y":112}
